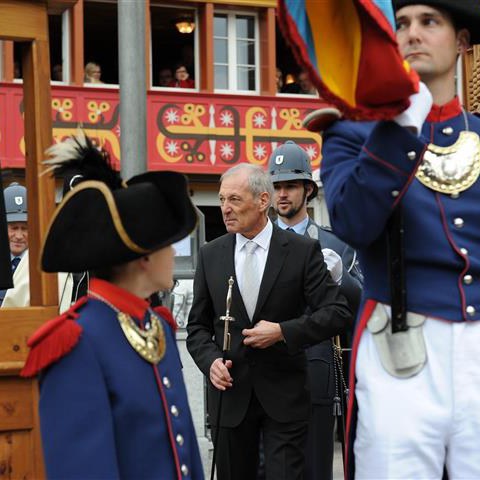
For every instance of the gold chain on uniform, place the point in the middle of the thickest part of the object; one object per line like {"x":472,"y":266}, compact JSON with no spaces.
{"x":149,"y":344}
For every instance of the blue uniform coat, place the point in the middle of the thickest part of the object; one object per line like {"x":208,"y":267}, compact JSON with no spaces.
{"x":106,"y":413}
{"x":367,"y":169}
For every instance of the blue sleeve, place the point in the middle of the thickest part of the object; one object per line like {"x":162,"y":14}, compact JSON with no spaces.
{"x":366,"y":170}
{"x":76,"y":418}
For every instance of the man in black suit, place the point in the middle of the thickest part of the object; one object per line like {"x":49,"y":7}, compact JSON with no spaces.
{"x":291,"y":173}
{"x":264,"y":380}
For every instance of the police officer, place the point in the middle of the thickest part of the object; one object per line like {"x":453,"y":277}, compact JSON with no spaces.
{"x":17,"y":221}
{"x":289,"y":166}
{"x":15,"y":197}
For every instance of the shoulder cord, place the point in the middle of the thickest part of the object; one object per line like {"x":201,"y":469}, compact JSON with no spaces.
{"x":339,"y":381}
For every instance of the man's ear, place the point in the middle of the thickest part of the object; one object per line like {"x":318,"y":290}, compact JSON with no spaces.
{"x":463,"y":40}
{"x":264,"y":200}
{"x":308,"y":189}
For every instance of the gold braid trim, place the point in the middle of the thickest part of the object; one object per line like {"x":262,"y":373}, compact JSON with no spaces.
{"x":115,"y":215}
{"x":472,"y":72}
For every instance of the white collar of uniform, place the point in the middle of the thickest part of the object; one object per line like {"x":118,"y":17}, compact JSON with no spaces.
{"x":299,"y":228}
{"x":262,"y":239}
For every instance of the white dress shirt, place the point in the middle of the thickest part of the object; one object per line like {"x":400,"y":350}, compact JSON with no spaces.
{"x":261,"y":253}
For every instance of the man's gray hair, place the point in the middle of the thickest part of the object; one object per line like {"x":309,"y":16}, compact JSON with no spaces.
{"x":259,"y":180}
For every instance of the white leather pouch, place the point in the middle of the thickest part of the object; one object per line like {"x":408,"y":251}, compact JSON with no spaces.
{"x":402,"y":354}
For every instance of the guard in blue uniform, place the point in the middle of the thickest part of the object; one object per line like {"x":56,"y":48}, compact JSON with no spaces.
{"x":113,"y":402}
{"x":406,"y":194}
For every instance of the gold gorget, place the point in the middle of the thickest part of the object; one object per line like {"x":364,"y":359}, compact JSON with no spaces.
{"x":452,"y":169}
{"x":150,"y":343}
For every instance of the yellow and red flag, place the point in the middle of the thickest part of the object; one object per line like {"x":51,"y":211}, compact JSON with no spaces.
{"x":349,"y":49}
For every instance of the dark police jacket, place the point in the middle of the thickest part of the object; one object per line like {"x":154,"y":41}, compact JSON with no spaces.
{"x":320,"y":356}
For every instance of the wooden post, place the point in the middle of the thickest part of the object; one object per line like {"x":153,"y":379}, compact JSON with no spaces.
{"x":268,"y":61}
{"x":21,"y":455}
{"x":76,"y":44}
{"x":38,"y":137}
{"x":206,"y":48}
{"x":8,"y":70}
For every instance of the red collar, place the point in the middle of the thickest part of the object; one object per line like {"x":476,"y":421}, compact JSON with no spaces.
{"x":444,"y":112}
{"x":122,"y":299}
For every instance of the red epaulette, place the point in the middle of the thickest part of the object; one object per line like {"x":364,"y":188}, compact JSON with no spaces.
{"x":167,"y":316}
{"x":53,"y":340}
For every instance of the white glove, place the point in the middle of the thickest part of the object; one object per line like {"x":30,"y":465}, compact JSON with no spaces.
{"x":334,"y":264}
{"x":420,"y":105}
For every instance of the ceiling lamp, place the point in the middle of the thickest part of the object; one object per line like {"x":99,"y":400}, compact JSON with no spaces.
{"x":185,"y":25}
{"x":289,"y":79}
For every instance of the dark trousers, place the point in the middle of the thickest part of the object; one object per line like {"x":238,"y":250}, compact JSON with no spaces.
{"x":284,"y":447}
{"x":320,"y":444}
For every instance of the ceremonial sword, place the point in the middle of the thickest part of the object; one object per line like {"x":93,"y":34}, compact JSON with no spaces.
{"x":227,"y":318}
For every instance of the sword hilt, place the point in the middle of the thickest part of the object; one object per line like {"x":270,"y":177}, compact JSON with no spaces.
{"x":227,"y":318}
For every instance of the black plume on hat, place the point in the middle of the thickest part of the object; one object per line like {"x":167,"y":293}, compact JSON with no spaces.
{"x":104,"y":221}
{"x":79,"y":158}
{"x":465,"y":13}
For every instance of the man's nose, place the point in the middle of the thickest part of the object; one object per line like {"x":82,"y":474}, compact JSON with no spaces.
{"x":414,"y":32}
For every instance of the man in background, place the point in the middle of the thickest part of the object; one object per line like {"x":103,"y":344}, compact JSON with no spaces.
{"x":15,"y":197}
{"x":278,"y":275}
{"x":291,"y":172}
{"x":165,"y":76}
{"x":17,"y":220}
{"x":306,"y":85}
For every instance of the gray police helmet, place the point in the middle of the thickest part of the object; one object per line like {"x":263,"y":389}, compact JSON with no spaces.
{"x":290,"y":162}
{"x":15,"y":203}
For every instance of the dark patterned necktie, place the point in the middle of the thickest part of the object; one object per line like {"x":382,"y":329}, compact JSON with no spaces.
{"x":15,"y":262}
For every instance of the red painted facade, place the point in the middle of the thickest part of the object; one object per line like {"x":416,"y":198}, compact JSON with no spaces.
{"x":189,"y":132}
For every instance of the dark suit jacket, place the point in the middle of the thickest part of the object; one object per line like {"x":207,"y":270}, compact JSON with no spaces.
{"x":295,"y":277}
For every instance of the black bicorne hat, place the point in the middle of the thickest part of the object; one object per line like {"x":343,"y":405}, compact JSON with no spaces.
{"x":104,"y":221}
{"x":465,"y":13}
